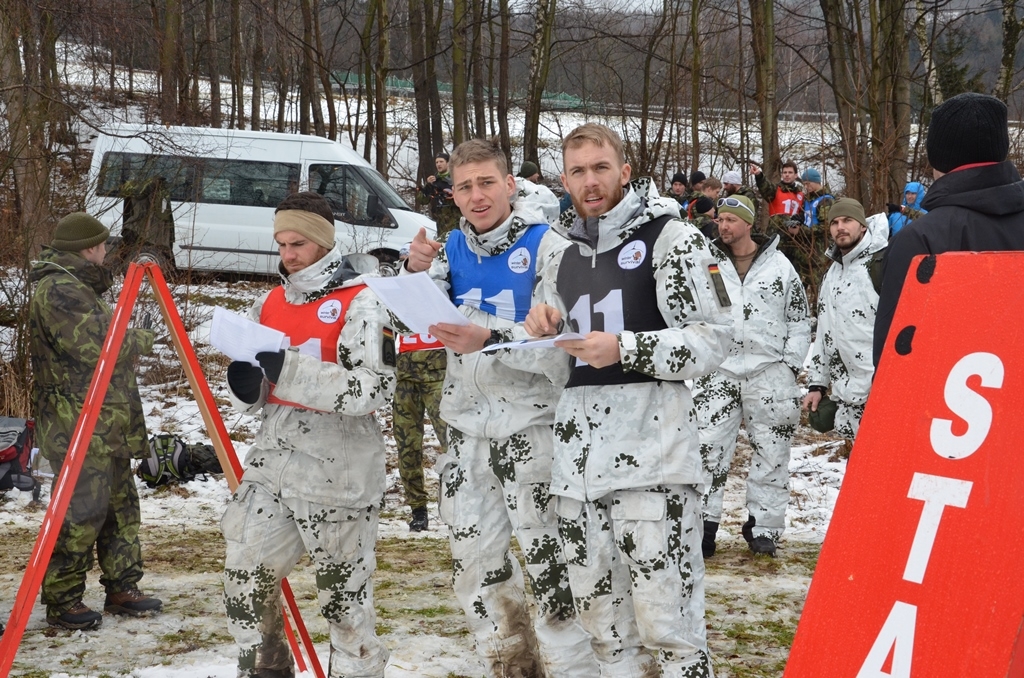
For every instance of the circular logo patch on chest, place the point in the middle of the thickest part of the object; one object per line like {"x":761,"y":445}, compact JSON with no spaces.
{"x":519,"y":260}
{"x":329,"y":311}
{"x":632,"y":255}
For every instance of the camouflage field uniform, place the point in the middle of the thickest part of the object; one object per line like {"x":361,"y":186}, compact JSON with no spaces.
{"x":68,"y":323}
{"x":420,"y":377}
{"x":756,"y":385}
{"x":807,"y":249}
{"x":495,"y":479}
{"x":313,"y":484}
{"x":627,"y":468}
{"x":442,"y":209}
{"x":847,"y":303}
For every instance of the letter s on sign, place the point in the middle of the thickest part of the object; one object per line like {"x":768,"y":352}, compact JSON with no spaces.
{"x":969,"y":405}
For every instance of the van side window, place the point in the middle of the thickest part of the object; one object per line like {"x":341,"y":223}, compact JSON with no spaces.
{"x":351,"y":198}
{"x":247,"y":183}
{"x":124,"y":174}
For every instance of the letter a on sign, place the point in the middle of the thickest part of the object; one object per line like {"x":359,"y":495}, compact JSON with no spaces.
{"x":919,"y":573}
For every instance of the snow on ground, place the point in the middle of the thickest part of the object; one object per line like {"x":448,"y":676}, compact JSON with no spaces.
{"x":418,"y":617}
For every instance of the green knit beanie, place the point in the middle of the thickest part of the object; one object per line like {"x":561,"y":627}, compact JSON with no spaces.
{"x":739,"y":205}
{"x":78,"y":231}
{"x":847,"y":207}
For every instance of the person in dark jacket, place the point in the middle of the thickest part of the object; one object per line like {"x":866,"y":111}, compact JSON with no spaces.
{"x":976,"y":203}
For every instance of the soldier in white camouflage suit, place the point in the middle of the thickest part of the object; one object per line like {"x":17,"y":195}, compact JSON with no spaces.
{"x":495,"y":479}
{"x":847,"y":302}
{"x":639,"y":285}
{"x":756,"y":385}
{"x":315,"y":475}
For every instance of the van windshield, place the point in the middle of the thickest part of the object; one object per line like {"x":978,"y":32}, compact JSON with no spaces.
{"x":357,"y":195}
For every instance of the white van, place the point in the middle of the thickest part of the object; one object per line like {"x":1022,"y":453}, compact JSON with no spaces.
{"x":204,"y":198}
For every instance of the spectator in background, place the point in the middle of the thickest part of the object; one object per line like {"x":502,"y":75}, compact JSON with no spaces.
{"x":901,"y":215}
{"x":701,"y":213}
{"x":678,"y":190}
{"x":732,"y":184}
{"x":976,"y":203}
{"x":529,"y":171}
{"x":806,"y":237}
{"x":697,"y":179}
{"x":68,"y":322}
{"x":847,"y":302}
{"x":784,"y":200}
{"x":712,"y":189}
{"x":437,"y":193}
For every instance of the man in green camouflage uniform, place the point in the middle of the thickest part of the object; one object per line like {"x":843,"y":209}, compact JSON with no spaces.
{"x":812,"y":238}
{"x":68,"y":321}
{"x":437,"y":193}
{"x":420,"y":378}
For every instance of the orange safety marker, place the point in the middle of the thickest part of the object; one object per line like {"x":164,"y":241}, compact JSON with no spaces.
{"x":71,"y":468}
{"x":919,"y":574}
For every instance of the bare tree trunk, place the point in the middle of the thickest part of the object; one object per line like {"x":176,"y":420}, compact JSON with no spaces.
{"x":503,"y":59}
{"x":283,"y":79}
{"x":1012,"y":28}
{"x":432,"y":25}
{"x":695,"y":79}
{"x":366,"y":60}
{"x":762,"y":19}
{"x":477,"y":62}
{"x":323,"y":69}
{"x":540,"y":63}
{"x":842,"y":53}
{"x":460,"y":80}
{"x":381,"y":122}
{"x":890,"y":128}
{"x":237,"y":85}
{"x":255,"y":115}
{"x":169,"y":62}
{"x":28,"y":151}
{"x":925,"y":45}
{"x":214,"y":63}
{"x":418,"y":50}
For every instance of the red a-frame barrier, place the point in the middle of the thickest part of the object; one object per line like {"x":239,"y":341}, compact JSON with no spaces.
{"x":920,"y":572}
{"x":72,"y":466}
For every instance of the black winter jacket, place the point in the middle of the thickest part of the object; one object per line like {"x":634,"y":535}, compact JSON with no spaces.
{"x":980,"y":209}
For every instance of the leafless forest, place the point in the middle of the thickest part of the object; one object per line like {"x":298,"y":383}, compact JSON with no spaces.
{"x":868,"y":70}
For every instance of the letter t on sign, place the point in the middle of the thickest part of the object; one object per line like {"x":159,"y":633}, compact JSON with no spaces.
{"x":936,"y":492}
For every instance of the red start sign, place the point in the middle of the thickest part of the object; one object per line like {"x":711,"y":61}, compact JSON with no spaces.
{"x":922,"y":571}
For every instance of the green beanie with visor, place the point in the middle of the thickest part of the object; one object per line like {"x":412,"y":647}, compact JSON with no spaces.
{"x":739,"y":205}
{"x":78,"y":231}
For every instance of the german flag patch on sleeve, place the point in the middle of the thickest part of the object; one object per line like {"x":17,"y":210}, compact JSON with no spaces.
{"x":387,"y":347}
{"x":718,"y":285}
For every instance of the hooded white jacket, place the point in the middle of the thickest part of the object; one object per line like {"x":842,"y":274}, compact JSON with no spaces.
{"x":847,"y":302}
{"x":612,"y":437}
{"x":333,"y":453}
{"x":769,"y":311}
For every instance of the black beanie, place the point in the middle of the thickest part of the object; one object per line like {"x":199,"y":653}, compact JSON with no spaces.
{"x":78,"y":231}
{"x":966,"y":129}
{"x":697,"y":177}
{"x":703,"y":205}
{"x":679,"y":178}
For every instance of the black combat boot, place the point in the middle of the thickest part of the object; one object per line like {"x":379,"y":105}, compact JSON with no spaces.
{"x":707,"y":545}
{"x":419,"y":521}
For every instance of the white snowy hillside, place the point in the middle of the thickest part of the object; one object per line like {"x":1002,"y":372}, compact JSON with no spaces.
{"x":753,"y":604}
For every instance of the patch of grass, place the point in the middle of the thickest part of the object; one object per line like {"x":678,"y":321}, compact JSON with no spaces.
{"x":190,"y":639}
{"x":428,"y":612}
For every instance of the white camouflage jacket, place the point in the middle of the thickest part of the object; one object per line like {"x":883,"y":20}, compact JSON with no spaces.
{"x":613,"y":437}
{"x":495,"y":395}
{"x":847,"y":302}
{"x":333,"y":453}
{"x":769,"y":311}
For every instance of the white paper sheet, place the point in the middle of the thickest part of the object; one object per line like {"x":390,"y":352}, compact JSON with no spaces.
{"x":417,"y":301}
{"x":241,"y":339}
{"x":543,"y":342}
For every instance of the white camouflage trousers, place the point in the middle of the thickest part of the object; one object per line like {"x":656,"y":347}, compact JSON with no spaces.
{"x":265,"y":537}
{"x":491,"y":489}
{"x":637,"y":573}
{"x":848,"y":419}
{"x":767,"y":404}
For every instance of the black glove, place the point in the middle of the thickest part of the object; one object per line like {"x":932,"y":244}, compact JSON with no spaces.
{"x":892,"y":208}
{"x":271,"y":364}
{"x":245,"y":381}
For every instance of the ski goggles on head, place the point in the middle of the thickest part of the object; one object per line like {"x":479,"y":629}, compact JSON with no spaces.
{"x":733,"y":202}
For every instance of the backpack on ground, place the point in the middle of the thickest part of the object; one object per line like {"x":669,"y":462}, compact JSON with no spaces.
{"x":16,"y":436}
{"x":172,"y":460}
